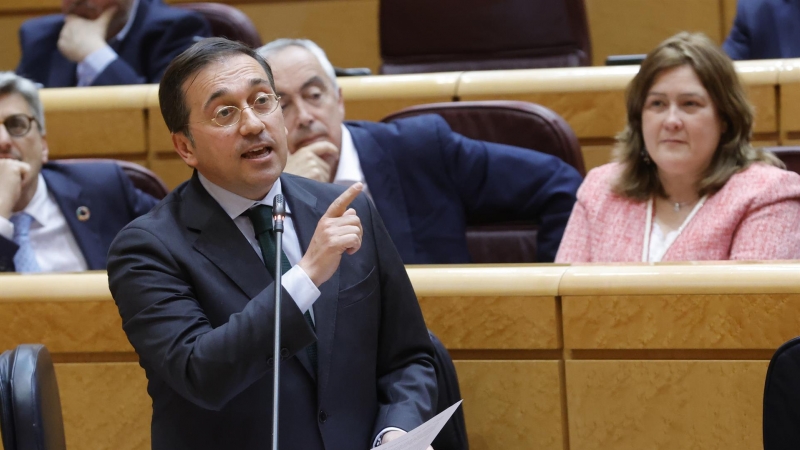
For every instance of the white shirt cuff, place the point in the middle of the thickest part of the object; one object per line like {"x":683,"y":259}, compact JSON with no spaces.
{"x":300,"y":287}
{"x":94,"y":64}
{"x":6,"y":228}
{"x":379,"y":437}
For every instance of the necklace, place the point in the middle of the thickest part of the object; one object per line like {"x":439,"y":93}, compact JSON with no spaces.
{"x":678,"y":205}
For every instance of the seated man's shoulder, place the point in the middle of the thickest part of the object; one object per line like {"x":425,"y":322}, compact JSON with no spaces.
{"x":43,"y":27}
{"x":93,"y":172}
{"x":166,"y":14}
{"x":406,"y":126}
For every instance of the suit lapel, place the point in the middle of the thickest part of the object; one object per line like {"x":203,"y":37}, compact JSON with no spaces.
{"x":220,"y":240}
{"x":306,"y":213}
{"x":383,"y":181}
{"x":69,"y":196}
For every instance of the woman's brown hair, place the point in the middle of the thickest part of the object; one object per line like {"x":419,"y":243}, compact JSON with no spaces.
{"x":639,"y":177}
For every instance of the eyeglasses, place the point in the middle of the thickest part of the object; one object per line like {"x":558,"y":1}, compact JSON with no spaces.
{"x":18,"y":125}
{"x":229,"y":116}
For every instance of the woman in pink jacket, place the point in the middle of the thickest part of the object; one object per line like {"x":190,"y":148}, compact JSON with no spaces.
{"x":687,"y":184}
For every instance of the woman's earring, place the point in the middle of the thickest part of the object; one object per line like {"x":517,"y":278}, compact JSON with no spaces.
{"x":645,"y":157}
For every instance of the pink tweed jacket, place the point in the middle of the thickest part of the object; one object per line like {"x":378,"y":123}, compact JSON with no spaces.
{"x":755,"y":216}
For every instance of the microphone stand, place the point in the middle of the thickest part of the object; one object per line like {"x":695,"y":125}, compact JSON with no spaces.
{"x":278,"y":214}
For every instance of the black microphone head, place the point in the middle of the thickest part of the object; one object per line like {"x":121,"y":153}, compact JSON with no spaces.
{"x":278,"y":206}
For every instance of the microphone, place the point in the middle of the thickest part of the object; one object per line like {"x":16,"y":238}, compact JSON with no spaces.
{"x":278,"y":214}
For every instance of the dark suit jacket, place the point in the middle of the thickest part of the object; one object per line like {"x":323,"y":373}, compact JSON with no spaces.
{"x":427,"y":182}
{"x":765,"y":29}
{"x":197,"y":305}
{"x":108,"y":193}
{"x":158,"y":34}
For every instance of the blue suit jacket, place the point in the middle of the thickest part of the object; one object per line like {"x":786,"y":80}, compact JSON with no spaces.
{"x":197,"y":304}
{"x":108,"y":193}
{"x":158,"y":34}
{"x":427,"y":182}
{"x":765,"y":29}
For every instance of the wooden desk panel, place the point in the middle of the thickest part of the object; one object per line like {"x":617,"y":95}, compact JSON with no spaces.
{"x":789,"y":86}
{"x":665,"y":405}
{"x":724,"y":321}
{"x":512,"y":404}
{"x":96,"y":121}
{"x":105,"y":405}
{"x":634,"y":26}
{"x":507,"y":323}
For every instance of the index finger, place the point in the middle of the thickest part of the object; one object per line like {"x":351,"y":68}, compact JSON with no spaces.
{"x":339,"y":206}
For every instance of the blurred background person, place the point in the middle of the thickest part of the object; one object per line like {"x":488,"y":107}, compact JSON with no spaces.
{"x":54,"y":217}
{"x":765,"y":29}
{"x":687,"y":184}
{"x":106,"y":42}
{"x":424,"y":178}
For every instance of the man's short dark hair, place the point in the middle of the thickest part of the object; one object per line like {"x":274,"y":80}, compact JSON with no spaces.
{"x":189,"y":63}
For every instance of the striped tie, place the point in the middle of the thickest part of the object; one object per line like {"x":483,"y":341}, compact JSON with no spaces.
{"x":25,"y":258}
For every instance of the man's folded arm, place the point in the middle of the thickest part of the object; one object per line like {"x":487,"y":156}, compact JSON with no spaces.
{"x":169,"y":330}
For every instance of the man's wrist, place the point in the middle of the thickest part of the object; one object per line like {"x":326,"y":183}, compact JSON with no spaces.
{"x":379,"y":440}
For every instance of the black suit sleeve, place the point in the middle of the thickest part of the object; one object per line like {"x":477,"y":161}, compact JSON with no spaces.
{"x":738,"y":43}
{"x":172,"y":334}
{"x":499,"y":183}
{"x":406,"y":379}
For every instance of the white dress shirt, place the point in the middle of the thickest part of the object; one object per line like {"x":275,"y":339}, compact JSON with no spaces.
{"x":97,"y":61}
{"x":51,"y":238}
{"x":295,"y":280}
{"x":349,"y":170}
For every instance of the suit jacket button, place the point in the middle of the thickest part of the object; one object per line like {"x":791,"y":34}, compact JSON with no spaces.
{"x":284,"y":352}
{"x":322,"y":416}
{"x":270,"y":362}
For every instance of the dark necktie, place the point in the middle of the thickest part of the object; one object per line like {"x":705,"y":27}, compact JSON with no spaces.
{"x":261,"y":216}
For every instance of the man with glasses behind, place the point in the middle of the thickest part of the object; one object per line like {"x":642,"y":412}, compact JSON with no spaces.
{"x":54,"y":217}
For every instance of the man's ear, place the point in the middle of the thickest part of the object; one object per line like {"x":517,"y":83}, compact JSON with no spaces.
{"x":184,"y":147}
{"x":340,"y":101}
{"x":45,"y":150}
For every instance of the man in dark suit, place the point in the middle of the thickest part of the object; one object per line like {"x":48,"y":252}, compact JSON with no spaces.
{"x":765,"y":29}
{"x":106,"y":42}
{"x":197,"y":301}
{"x":54,"y":217}
{"x":425,"y":180}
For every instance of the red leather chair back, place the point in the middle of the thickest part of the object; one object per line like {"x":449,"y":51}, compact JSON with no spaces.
{"x":522,"y":124}
{"x":451,"y":35}
{"x":141,"y":177}
{"x":789,"y":155}
{"x":226,"y":21}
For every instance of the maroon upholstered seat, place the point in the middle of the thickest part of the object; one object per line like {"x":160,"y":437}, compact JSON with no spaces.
{"x":226,"y":21}
{"x":451,"y":35}
{"x":789,"y":155}
{"x":141,"y":177}
{"x":521,"y":124}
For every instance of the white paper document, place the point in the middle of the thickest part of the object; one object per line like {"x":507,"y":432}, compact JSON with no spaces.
{"x":421,"y":437}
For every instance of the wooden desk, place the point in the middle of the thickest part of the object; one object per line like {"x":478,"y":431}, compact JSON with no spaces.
{"x":548,"y":356}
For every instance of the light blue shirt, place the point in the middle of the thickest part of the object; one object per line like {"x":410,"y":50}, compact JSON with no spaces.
{"x":295,"y":280}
